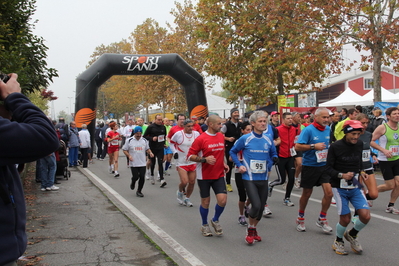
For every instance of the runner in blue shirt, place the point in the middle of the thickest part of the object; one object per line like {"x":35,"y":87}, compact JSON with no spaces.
{"x":258,"y":156}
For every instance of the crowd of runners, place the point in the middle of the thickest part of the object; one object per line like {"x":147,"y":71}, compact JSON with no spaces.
{"x":337,"y":151}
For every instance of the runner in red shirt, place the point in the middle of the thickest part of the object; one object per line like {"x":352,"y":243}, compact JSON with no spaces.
{"x":208,"y":151}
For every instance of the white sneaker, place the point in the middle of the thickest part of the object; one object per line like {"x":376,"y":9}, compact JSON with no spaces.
{"x":266,"y":211}
{"x":180,"y":197}
{"x":187,"y":202}
{"x":52,"y":188}
{"x":288,"y":202}
{"x":152,"y":180}
{"x":300,"y":224}
{"x":297,"y":183}
{"x":323,"y":224}
{"x":392,"y":210}
{"x":163,"y":183}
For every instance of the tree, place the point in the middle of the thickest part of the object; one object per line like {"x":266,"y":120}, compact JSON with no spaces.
{"x":21,"y":51}
{"x":371,"y":26}
{"x":258,"y":48}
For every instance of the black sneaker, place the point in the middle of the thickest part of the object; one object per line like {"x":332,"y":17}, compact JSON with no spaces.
{"x":139,"y":194}
{"x":163,"y":183}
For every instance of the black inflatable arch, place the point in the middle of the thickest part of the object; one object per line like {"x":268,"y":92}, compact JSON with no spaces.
{"x":107,"y":65}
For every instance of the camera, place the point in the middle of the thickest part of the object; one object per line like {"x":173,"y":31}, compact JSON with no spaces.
{"x":4,"y":77}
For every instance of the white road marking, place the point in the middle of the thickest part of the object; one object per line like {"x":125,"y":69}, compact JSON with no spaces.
{"x":184,"y":253}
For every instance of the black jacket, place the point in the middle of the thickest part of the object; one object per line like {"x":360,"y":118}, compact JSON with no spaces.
{"x":28,"y":137}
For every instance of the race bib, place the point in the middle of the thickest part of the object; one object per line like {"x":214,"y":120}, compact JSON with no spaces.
{"x":161,"y":138}
{"x":258,"y":166}
{"x":346,"y":185}
{"x":366,"y":155}
{"x":114,"y":142}
{"x":394,"y":149}
{"x":321,"y":156}
{"x":293,"y":151}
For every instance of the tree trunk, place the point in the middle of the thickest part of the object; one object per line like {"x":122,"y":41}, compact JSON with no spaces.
{"x":280,"y":83}
{"x":377,"y":56}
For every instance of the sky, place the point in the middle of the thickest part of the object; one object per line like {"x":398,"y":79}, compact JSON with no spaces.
{"x":72,"y":29}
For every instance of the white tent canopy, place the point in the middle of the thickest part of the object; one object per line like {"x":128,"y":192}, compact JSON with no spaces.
{"x":218,"y":105}
{"x":348,"y":97}
{"x":386,"y":96}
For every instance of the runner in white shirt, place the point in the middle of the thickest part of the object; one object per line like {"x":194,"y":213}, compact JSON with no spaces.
{"x":135,"y":149}
{"x":180,"y":144}
{"x":127,"y":133}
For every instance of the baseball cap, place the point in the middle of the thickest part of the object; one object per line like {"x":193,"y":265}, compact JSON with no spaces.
{"x":194,"y":118}
{"x":352,"y":125}
{"x":306,"y":116}
{"x":274,"y":113}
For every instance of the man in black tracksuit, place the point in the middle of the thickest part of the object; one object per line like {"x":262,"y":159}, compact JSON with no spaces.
{"x":232,"y":131}
{"x":156,"y":134}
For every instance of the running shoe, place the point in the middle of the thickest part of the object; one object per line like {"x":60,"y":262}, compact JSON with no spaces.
{"x":179,"y":197}
{"x":43,"y":189}
{"x":217,"y":227}
{"x":288,"y":202}
{"x":206,"y":231}
{"x":52,"y":188}
{"x":300,"y":224}
{"x":246,"y":211}
{"x":256,"y":237}
{"x":187,"y":202}
{"x":392,"y":210}
{"x":323,"y":224}
{"x":333,"y":201}
{"x":242,"y":221}
{"x":270,"y":191}
{"x":229,"y":188}
{"x":166,"y":173}
{"x":267,"y":211}
{"x":152,"y":180}
{"x":163,"y":183}
{"x":354,"y":219}
{"x":139,"y":194}
{"x":297,"y":183}
{"x":116,"y":174}
{"x":339,"y":248}
{"x":249,"y":238}
{"x":356,"y":247}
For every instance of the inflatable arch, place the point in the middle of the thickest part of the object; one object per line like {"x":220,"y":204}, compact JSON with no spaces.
{"x":107,"y":65}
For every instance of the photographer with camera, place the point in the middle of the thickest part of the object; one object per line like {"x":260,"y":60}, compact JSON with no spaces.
{"x":26,"y":134}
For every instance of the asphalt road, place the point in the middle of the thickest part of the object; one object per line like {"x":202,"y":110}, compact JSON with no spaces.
{"x":176,"y":229}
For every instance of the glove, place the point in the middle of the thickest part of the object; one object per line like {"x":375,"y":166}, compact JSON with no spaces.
{"x":176,"y":156}
{"x":275,"y":160}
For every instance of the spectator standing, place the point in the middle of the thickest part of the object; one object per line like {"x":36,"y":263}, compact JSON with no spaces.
{"x":28,"y":137}
{"x":85,"y":145}
{"x":73,"y":144}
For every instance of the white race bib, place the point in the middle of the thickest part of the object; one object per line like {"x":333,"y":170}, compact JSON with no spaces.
{"x":293,"y":151}
{"x":114,"y":142}
{"x":258,"y":166}
{"x":366,"y":155}
{"x":321,"y":156}
{"x":394,"y":149}
{"x":161,"y":138}
{"x":344,"y":183}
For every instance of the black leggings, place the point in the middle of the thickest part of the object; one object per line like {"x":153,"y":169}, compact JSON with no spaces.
{"x":285,"y":166}
{"x":158,"y":154}
{"x":240,"y":187}
{"x":138,"y":173}
{"x":257,"y":194}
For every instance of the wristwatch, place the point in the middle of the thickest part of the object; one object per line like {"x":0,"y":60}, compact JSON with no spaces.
{"x":340,"y":175}
{"x":312,"y":146}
